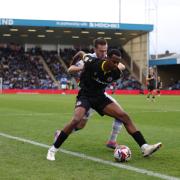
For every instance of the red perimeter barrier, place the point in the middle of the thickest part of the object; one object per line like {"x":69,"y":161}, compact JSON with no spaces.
{"x":45,"y":91}
{"x":38,"y":91}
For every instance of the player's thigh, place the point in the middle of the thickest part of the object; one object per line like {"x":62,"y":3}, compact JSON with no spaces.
{"x":113,"y":100}
{"x":85,"y":118}
{"x":76,"y":119}
{"x":115,"y":111}
{"x":81,"y":108}
{"x":79,"y":113}
{"x":88,"y":114}
{"x":82,"y":123}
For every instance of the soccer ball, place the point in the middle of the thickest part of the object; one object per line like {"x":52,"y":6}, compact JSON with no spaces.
{"x":122,"y":153}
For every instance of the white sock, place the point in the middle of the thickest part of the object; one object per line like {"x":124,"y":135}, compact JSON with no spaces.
{"x":116,"y":128}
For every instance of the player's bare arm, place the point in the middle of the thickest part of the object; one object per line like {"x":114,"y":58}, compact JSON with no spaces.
{"x":78,"y":56}
{"x":74,"y":69}
{"x":149,"y":78}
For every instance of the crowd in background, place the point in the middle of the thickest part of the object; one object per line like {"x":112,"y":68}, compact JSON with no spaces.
{"x":175,"y":85}
{"x":24,"y":70}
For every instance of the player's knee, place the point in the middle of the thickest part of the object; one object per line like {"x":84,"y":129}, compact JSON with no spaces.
{"x":124,"y":117}
{"x":81,"y":124}
{"x":75,"y":121}
{"x":123,"y":114}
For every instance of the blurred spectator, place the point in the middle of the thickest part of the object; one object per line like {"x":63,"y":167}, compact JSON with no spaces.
{"x":175,"y":85}
{"x":64,"y":82}
{"x":22,"y":70}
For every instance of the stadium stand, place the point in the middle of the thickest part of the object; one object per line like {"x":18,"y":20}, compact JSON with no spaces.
{"x":22,"y":70}
{"x":167,"y":67}
{"x":42,"y":59}
{"x":66,"y":37}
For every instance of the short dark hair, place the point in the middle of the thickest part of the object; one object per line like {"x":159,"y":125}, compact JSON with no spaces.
{"x":99,"y":41}
{"x":112,"y":52}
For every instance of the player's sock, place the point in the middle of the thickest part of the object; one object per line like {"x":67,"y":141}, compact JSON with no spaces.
{"x":116,"y":128}
{"x":138,"y":137}
{"x":148,"y":96}
{"x":53,"y":149}
{"x":61,"y":138}
{"x":153,"y":98}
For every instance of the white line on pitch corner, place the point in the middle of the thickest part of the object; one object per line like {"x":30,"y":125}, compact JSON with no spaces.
{"x":118,"y":165}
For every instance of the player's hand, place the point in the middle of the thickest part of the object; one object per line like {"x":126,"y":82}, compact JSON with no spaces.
{"x":121,"y":66}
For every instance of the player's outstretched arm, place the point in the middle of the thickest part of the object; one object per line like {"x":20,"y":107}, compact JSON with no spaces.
{"x":74,"y":69}
{"x":78,"y":56}
{"x":147,"y":79}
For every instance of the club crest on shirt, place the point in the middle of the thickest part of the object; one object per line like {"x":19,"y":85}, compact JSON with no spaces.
{"x":109,"y":79}
{"x":78,"y":103}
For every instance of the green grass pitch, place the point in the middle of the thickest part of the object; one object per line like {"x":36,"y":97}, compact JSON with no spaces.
{"x":36,"y":117}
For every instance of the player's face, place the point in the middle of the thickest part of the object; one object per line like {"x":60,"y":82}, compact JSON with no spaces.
{"x":115,"y":59}
{"x":101,"y":51}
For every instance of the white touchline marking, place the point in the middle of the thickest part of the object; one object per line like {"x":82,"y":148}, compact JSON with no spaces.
{"x":122,"y":166}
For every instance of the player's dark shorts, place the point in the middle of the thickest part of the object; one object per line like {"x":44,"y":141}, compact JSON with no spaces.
{"x":98,"y":103}
{"x":151,"y":88}
{"x":158,"y":87}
